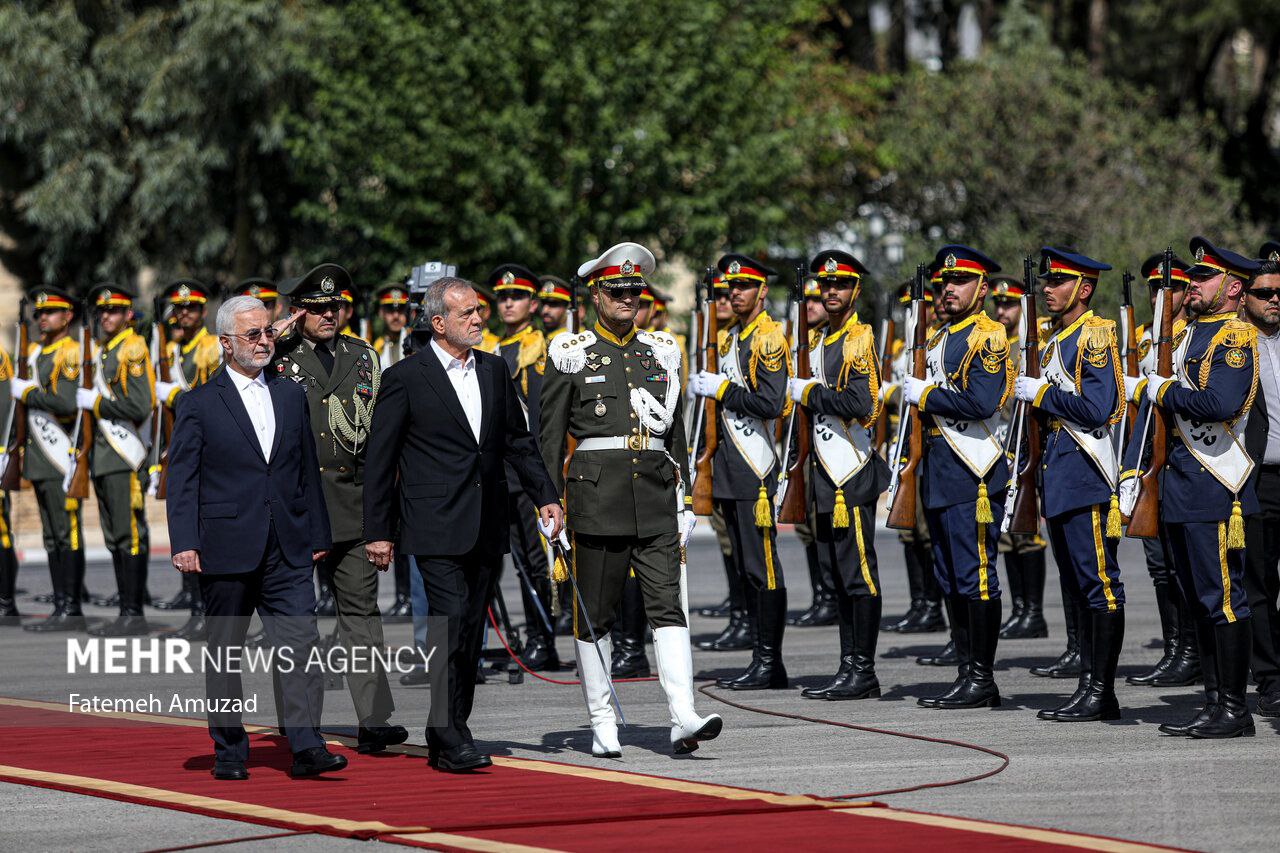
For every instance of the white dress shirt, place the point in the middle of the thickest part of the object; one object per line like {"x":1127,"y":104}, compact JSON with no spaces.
{"x":257,"y":401}
{"x":465,"y":383}
{"x":1269,"y":387}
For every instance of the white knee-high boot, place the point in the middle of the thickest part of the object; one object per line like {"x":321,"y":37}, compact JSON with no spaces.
{"x":675,"y":674}
{"x":595,"y":690}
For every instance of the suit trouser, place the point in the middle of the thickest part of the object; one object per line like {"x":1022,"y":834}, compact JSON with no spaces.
{"x":355,"y":596}
{"x":1262,"y":582}
{"x":600,"y":567}
{"x":285,"y":599}
{"x":459,"y":589}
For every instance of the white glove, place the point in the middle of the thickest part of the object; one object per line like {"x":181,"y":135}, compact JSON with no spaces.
{"x":1154,"y":383}
{"x":1128,"y":495}
{"x":795,"y":387}
{"x":86,"y":398}
{"x":1026,"y":388}
{"x":912,"y":389}
{"x":706,"y":384}
{"x":18,"y":387}
{"x":1131,"y":384}
{"x":688,"y":521}
{"x":164,"y":389}
{"x":545,"y":530}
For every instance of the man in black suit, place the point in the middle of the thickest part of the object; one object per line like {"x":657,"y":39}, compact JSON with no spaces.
{"x":246,"y":514}
{"x":447,"y":422}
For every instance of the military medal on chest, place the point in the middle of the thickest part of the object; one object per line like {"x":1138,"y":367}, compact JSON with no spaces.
{"x":601,"y":409}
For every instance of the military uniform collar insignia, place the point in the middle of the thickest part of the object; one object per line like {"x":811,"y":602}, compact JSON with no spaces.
{"x":961,"y":325}
{"x":517,"y":336}
{"x":605,"y":334}
{"x":1217,"y":318}
{"x":752,"y":326}
{"x":201,"y":334}
{"x":1068,"y":331}
{"x":115,"y":342}
{"x":839,"y":333}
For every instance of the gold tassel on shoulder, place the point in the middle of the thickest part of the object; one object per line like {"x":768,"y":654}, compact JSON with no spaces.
{"x":1113,"y":518}
{"x":764,"y":518}
{"x":984,"y":504}
{"x":840,"y":515}
{"x":1235,"y":527}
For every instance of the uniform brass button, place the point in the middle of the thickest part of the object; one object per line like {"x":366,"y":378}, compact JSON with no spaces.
{"x":323,"y":435}
{"x":633,"y":417}
{"x":324,"y":401}
{"x":635,"y":476}
{"x":321,"y":469}
{"x":634,"y":460}
{"x":579,"y":476}
{"x":342,"y":469}
{"x":628,"y":370}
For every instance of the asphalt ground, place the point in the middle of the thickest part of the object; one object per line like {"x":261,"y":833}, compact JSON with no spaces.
{"x":1121,"y":779}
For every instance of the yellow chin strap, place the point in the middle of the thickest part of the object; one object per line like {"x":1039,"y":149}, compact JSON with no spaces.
{"x":1221,"y":294}
{"x":977,"y":288}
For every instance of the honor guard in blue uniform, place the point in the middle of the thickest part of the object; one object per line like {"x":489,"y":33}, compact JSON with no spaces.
{"x":965,"y":474}
{"x":1179,"y":665}
{"x":1080,"y":395}
{"x":846,"y":474}
{"x":523,"y":347}
{"x":752,"y":390}
{"x":1206,"y":485}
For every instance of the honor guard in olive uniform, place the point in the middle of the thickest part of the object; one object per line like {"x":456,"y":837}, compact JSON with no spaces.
{"x":341,"y":374}
{"x":846,"y":475}
{"x":263,"y":289}
{"x":1206,"y":485}
{"x":1023,"y":552}
{"x":554,"y":298}
{"x":925,"y":612}
{"x":523,"y":348}
{"x":965,"y":474}
{"x":614,"y":389}
{"x":489,"y":341}
{"x":822,"y":607}
{"x":9,"y":615}
{"x":1080,"y":393}
{"x":50,"y":398}
{"x":1179,"y":665}
{"x":121,"y":400}
{"x":194,"y":356}
{"x":393,"y":307}
{"x":752,"y":391}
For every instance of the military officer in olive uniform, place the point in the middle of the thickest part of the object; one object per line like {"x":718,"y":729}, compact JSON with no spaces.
{"x":555,"y":297}
{"x":194,"y":355}
{"x":9,"y":615}
{"x":846,"y":475}
{"x":341,"y":374}
{"x":523,"y":348}
{"x":752,"y":390}
{"x":50,"y":398}
{"x":964,"y":472}
{"x":121,"y":401}
{"x":615,"y":390}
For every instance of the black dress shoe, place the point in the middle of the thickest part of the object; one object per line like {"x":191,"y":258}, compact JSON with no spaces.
{"x":195,"y":629}
{"x":540,"y":655}
{"x":460,"y":759}
{"x":316,"y":760}
{"x":229,"y":771}
{"x":720,"y":611}
{"x":927,"y":619}
{"x":736,"y":636}
{"x":1269,"y":705}
{"x":1066,"y":666}
{"x":125,"y":625}
{"x":415,"y":677}
{"x":398,"y":613}
{"x":378,"y":738}
{"x":947,"y":657}
{"x":181,"y":601}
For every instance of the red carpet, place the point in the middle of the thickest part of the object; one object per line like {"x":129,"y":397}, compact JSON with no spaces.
{"x":395,"y":797}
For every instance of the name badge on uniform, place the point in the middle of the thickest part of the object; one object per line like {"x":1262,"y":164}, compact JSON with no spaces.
{"x":593,"y":379}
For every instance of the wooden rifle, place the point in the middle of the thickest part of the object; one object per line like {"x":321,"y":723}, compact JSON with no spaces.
{"x":709,"y":362}
{"x":1130,"y":355}
{"x":1145,"y":521}
{"x":162,"y":418}
{"x":15,"y":431}
{"x":909,"y":447}
{"x":794,"y":504}
{"x":1025,"y":511}
{"x":77,"y":485}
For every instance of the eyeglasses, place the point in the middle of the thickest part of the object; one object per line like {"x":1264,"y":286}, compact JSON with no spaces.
{"x":624,"y":292}
{"x":255,"y":335}
{"x":1265,"y":294}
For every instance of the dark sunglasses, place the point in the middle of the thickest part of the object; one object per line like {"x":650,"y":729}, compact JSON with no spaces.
{"x":624,"y":292}
{"x":1266,"y":294}
{"x":255,"y":335}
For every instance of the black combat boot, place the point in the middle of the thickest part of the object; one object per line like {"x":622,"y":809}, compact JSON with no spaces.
{"x":915,"y":584}
{"x":734,"y":600}
{"x":1013,"y":568}
{"x":195,"y":628}
{"x":929,"y":617}
{"x":70,"y":579}
{"x":540,"y":649}
{"x":1085,"y":634}
{"x":978,"y":688}
{"x":846,"y":653}
{"x":55,"y":597}
{"x":1167,"y":608}
{"x":736,"y":636}
{"x":325,"y":605}
{"x":1031,"y":624}
{"x":771,"y":673}
{"x":182,"y":599}
{"x":1232,"y":646}
{"x":132,"y":578}
{"x":752,"y":599}
{"x":822,"y":611}
{"x":957,"y":648}
{"x":861,"y":682}
{"x":629,"y":658}
{"x":1106,"y":632}
{"x":9,"y":615}
{"x":1209,"y":668}
{"x":1186,"y":666}
{"x":1068,"y":663}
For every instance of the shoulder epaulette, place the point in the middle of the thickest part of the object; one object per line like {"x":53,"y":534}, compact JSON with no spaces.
{"x":207,"y":355}
{"x":134,"y":348}
{"x":859,"y":350}
{"x":569,"y":352}
{"x":6,"y":366}
{"x":66,"y":362}
{"x":1098,"y":334}
{"x":815,"y":335}
{"x":532,"y":348}
{"x":1237,"y":334}
{"x":666,"y":349}
{"x":722,"y":341}
{"x":988,"y":334}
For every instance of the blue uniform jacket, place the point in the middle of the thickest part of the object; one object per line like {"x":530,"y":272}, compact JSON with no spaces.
{"x":977,"y":362}
{"x":1069,"y":477}
{"x":1188,"y":492}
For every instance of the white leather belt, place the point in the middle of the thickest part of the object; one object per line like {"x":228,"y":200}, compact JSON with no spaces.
{"x":620,"y":442}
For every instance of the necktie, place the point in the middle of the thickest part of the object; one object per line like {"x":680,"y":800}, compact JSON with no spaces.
{"x":326,"y":357}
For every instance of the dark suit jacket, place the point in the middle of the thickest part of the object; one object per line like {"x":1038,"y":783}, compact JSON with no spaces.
{"x":222,"y":493}
{"x":1255,"y":431}
{"x":428,"y":484}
